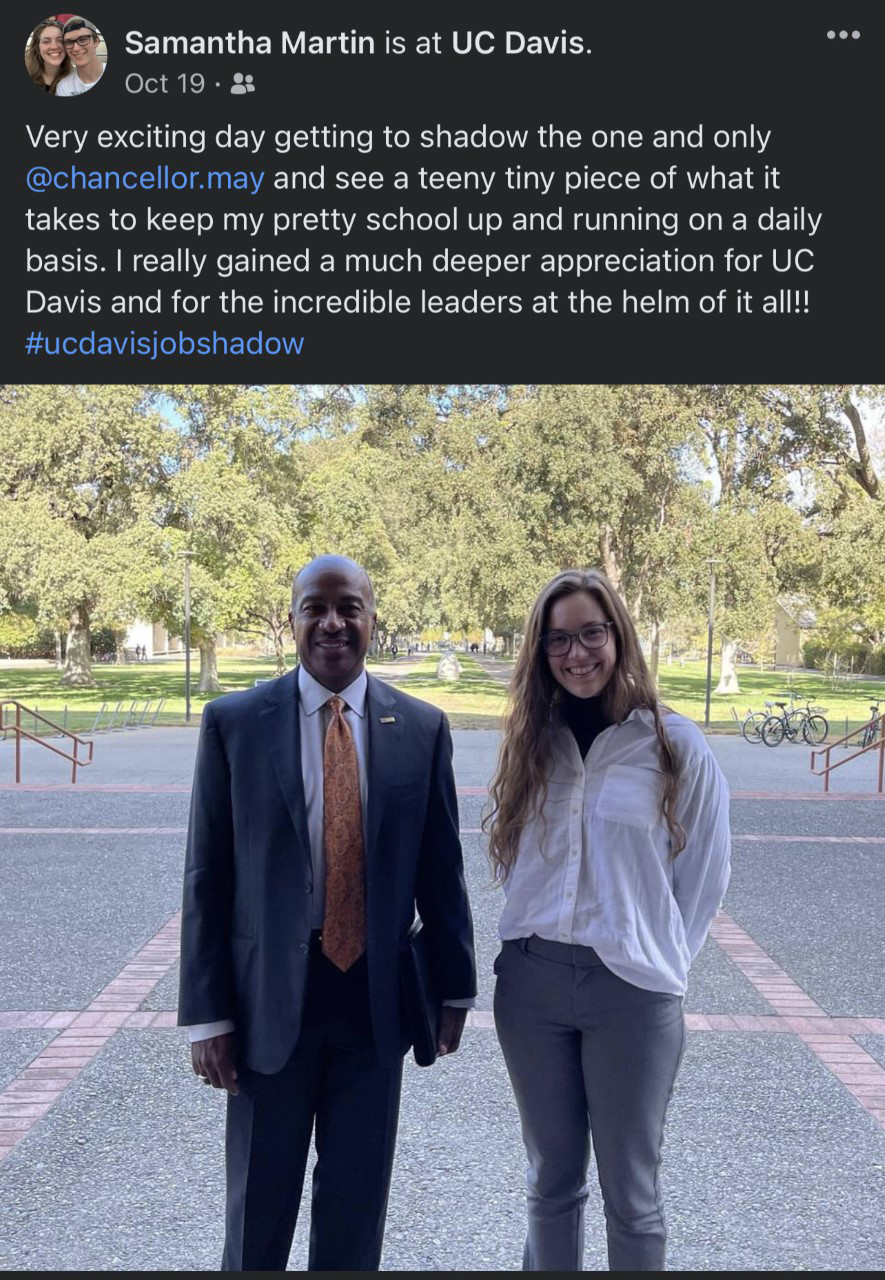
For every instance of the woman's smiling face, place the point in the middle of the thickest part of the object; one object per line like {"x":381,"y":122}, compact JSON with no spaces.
{"x":51,"y":48}
{"x":582,"y":671}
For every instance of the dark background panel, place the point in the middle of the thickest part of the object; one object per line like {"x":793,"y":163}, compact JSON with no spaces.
{"x":651,"y":66}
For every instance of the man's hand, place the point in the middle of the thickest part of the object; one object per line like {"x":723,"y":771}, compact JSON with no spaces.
{"x":451,"y":1024}
{"x":215,"y":1060}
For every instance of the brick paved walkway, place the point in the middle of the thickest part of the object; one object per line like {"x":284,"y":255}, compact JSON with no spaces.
{"x":793,"y":972}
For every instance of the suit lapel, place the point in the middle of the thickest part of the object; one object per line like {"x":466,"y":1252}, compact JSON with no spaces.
{"x":282,"y":740}
{"x":385,"y":737}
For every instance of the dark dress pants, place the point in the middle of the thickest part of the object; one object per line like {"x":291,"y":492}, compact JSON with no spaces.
{"x":333,"y":1081}
{"x":589,"y":1057}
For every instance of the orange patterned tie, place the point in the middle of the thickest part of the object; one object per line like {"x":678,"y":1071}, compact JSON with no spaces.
{"x":344,"y":924}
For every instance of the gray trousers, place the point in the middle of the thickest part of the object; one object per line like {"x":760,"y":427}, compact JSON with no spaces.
{"x":588,"y":1054}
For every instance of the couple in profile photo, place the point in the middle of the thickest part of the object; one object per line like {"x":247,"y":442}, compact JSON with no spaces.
{"x":64,"y":55}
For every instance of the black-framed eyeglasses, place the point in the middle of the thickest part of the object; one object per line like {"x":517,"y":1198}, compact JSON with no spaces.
{"x":558,"y":643}
{"x":82,"y":41}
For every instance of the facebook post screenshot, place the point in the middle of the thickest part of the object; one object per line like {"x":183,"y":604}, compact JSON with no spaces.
{"x":442,"y":747}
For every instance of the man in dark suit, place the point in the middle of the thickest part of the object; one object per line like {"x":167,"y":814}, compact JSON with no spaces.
{"x":323,"y":813}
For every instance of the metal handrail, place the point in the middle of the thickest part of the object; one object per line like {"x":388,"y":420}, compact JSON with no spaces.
{"x":878,"y":745}
{"x":16,"y":728}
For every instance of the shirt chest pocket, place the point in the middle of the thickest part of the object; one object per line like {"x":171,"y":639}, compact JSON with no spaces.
{"x":630,"y":796}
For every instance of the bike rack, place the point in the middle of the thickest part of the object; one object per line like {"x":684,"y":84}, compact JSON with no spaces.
{"x":16,"y":728}
{"x":97,"y":720}
{"x":872,"y":746}
{"x":113,"y":716}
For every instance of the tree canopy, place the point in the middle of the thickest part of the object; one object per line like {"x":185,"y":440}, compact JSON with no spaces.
{"x":461,"y":501}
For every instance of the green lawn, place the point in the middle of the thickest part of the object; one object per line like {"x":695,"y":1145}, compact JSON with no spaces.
{"x":474,"y":701}
{"x":121,"y":686}
{"x":847,"y":706}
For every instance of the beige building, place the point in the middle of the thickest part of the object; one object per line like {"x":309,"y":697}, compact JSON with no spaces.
{"x":152,"y":639}
{"x":794,"y":622}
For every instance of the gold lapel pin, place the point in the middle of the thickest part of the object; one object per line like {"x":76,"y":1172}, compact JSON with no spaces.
{"x":388,"y":720}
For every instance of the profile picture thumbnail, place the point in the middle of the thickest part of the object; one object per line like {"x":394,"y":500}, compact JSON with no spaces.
{"x":66,"y":55}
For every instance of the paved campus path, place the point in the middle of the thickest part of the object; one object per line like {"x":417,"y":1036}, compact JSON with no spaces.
{"x":110,"y":1151}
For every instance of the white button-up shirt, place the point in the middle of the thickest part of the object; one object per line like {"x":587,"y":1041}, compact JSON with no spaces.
{"x":594,"y":868}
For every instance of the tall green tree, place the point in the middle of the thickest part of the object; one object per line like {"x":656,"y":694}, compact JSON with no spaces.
{"x":74,"y":463}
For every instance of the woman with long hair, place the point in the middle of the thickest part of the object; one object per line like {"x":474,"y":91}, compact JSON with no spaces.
{"x":608,"y":829}
{"x":45,"y":56}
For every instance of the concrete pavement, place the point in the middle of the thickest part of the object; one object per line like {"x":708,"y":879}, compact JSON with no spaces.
{"x":775,"y":1150}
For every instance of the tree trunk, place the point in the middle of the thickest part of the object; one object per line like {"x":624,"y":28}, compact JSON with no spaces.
{"x":609,"y":559}
{"x":120,"y":645}
{"x":78,"y":659}
{"x":59,"y":654}
{"x":728,"y":681}
{"x":655,"y":655}
{"x":278,"y":649}
{"x":208,"y":682}
{"x":279,"y":653}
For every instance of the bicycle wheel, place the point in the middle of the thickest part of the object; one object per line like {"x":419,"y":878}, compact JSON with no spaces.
{"x":869,"y":735}
{"x":814,"y":730}
{"x":752,"y":726}
{"x":772,"y":731}
{"x":795,"y":724}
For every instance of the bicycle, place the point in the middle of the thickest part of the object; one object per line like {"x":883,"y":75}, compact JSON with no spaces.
{"x":806,"y":720}
{"x":871,"y":730}
{"x":751,"y":728}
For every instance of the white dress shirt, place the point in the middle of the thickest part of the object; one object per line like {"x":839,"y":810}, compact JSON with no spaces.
{"x":594,"y":869}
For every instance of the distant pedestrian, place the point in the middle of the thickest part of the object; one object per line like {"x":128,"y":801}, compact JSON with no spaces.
{"x":609,"y":833}
{"x":393,"y":651}
{"x":137,"y":652}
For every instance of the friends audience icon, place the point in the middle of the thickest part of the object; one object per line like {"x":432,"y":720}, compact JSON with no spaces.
{"x":242,"y":84}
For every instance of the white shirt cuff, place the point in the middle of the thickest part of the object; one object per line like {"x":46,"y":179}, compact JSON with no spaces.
{"x":203,"y":1030}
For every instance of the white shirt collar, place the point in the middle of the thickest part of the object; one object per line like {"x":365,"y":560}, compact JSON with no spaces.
{"x":313,"y":695}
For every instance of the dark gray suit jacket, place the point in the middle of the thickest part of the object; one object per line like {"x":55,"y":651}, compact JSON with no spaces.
{"x":248,"y":874}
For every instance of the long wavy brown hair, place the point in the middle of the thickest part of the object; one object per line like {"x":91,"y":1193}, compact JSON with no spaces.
{"x":34,"y":61}
{"x":519,"y":788}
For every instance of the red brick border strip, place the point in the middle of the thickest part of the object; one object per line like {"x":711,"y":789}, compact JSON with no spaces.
{"x":32,"y":1093}
{"x":111,"y":788}
{"x":781,"y":839}
{"x":121,"y":788}
{"x":858,"y":1070}
{"x":464,"y":831}
{"x":93,"y":831}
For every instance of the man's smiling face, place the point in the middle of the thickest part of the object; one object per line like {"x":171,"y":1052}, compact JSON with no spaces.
{"x":82,"y":55}
{"x":333,"y":618}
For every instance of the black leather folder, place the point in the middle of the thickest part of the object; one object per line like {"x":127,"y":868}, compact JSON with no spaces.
{"x":420,"y":999}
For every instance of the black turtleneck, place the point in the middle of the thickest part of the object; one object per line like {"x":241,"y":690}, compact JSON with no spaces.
{"x":584,"y":716}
